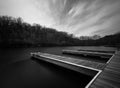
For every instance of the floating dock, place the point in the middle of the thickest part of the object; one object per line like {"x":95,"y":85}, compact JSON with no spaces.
{"x":106,"y":75}
{"x":83,"y":66}
{"x":88,"y":53}
{"x":110,"y":76}
{"x":99,"y":51}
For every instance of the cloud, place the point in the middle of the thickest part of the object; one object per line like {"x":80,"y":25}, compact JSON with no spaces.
{"x":85,"y":17}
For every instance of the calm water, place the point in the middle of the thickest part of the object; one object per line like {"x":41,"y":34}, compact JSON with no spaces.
{"x":18,"y":70}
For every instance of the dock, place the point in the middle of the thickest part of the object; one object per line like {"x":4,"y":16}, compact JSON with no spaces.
{"x":110,"y":76}
{"x":99,"y":51}
{"x":88,"y":53}
{"x":105,"y":75}
{"x":82,"y":66}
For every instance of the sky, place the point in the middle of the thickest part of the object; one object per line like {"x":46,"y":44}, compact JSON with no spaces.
{"x":79,"y":17}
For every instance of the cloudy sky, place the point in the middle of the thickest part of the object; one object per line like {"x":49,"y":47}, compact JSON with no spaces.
{"x":80,"y":17}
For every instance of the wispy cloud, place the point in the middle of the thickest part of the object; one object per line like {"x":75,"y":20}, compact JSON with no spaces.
{"x":86,"y":17}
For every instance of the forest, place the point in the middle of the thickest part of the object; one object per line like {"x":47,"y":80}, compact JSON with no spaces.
{"x":14,"y":32}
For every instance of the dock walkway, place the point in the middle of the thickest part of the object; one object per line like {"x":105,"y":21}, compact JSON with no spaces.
{"x":88,"y":53}
{"x":110,"y":76}
{"x":91,"y":64}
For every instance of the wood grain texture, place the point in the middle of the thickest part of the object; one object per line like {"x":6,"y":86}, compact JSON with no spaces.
{"x":110,"y":76}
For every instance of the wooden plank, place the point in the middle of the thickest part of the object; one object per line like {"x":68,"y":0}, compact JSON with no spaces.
{"x":113,"y":70}
{"x":113,"y":63}
{"x":111,"y":74}
{"x":103,"y":84}
{"x":111,"y":82}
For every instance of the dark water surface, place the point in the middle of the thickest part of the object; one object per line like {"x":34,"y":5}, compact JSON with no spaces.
{"x":18,"y":70}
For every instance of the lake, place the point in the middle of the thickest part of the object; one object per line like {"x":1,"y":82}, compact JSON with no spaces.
{"x":19,"y":70}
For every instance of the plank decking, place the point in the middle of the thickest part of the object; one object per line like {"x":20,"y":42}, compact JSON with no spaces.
{"x":91,"y":64}
{"x":110,"y":76}
{"x":83,"y":66}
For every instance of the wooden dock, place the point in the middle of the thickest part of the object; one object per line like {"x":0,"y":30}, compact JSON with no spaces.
{"x":82,"y":66}
{"x":110,"y":76}
{"x":99,"y":51}
{"x":105,"y":75}
{"x":88,"y":53}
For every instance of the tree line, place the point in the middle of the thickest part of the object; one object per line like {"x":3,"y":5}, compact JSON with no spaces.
{"x":13,"y":31}
{"x":108,"y":40}
{"x":16,"y":32}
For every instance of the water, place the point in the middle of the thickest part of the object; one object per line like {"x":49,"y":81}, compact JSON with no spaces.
{"x":18,"y":70}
